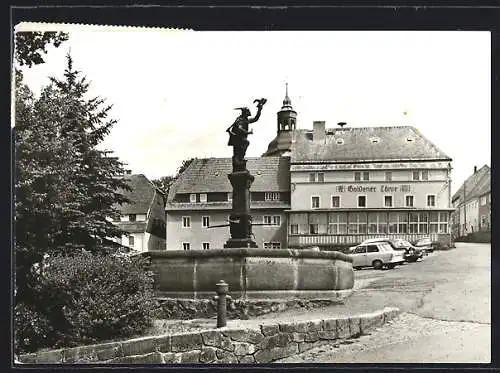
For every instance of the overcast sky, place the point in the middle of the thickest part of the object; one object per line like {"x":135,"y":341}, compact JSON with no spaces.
{"x":173,"y":92}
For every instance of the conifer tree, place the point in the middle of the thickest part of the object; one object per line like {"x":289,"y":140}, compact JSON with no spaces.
{"x":66,"y":189}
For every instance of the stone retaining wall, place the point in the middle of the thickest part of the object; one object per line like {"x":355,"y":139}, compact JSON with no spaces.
{"x":260,"y":344}
{"x":187,"y":309}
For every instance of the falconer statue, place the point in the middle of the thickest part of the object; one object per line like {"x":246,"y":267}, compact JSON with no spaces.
{"x":239,"y":131}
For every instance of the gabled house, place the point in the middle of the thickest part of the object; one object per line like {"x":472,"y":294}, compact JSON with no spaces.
{"x":472,"y":204}
{"x":144,"y":217}
{"x":202,"y":198}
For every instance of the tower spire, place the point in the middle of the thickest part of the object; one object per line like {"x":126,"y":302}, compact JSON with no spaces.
{"x":287,"y":103}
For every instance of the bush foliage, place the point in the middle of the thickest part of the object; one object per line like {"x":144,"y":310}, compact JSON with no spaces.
{"x":86,"y":299}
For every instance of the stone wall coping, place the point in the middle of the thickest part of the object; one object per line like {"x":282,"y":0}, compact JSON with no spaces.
{"x":254,"y":342}
{"x":269,"y":253}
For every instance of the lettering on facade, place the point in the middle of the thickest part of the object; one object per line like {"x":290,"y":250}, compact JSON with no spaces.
{"x":367,"y":189}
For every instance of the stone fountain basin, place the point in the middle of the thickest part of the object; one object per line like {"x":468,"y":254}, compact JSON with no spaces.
{"x":252,"y":273}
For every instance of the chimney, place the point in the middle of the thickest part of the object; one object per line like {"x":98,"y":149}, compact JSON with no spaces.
{"x":475,"y":169}
{"x":319,"y":134}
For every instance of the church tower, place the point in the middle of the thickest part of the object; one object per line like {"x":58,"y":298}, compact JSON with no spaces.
{"x":287,"y":124}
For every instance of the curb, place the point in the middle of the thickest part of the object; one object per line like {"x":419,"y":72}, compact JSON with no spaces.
{"x":263,"y":343}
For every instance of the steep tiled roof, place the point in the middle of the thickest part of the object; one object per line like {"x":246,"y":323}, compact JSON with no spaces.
{"x":477,"y":184}
{"x":141,"y":195}
{"x":210,"y":175}
{"x":358,"y":144}
{"x":484,"y":185}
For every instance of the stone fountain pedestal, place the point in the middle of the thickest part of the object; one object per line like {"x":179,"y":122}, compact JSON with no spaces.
{"x":240,"y":220}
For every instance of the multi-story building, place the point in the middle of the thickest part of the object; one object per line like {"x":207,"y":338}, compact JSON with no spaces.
{"x":351,"y":184}
{"x":331,"y":187}
{"x":144,"y":217}
{"x":472,"y":204}
{"x":200,"y":201}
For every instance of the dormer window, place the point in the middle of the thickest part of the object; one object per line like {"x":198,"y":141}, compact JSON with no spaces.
{"x":374,"y":140}
{"x":203,"y":197}
{"x":409,"y":139}
{"x":271,"y":196}
{"x":192,"y":198}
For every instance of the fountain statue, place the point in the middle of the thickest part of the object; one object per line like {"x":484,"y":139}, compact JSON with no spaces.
{"x":240,"y":220}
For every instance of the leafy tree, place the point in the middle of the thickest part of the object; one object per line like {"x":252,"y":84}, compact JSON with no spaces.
{"x":185,"y":164}
{"x":30,"y":46}
{"x":165,"y":182}
{"x":65,"y":188}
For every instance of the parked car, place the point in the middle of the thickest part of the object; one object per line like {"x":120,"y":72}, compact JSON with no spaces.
{"x":425,"y":244}
{"x":410,"y":253}
{"x":376,"y":255}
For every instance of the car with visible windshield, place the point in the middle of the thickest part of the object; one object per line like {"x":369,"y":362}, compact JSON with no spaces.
{"x":425,"y":244}
{"x":410,"y":253}
{"x":377,"y":255}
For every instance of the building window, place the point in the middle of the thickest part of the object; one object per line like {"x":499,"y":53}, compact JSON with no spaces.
{"x":419,"y":222}
{"x":206,"y":246}
{"x":443,"y":222}
{"x":132,"y":217}
{"x":272,"y":245}
{"x":203,"y":197}
{"x":337,"y":223}
{"x":483,"y":200}
{"x":186,"y":222}
{"x":484,"y":222}
{"x":335,"y":201}
{"x":387,"y":201}
{"x":272,"y":220}
{"x":205,"y":221}
{"x":230,"y":196}
{"x":388,"y":175}
{"x":186,"y":246}
{"x":315,"y":202}
{"x":313,"y":228}
{"x":364,"y":174}
{"x":416,"y":175}
{"x":271,"y":196}
{"x":377,"y":222}
{"x":294,"y":229}
{"x":131,"y":241}
{"x":316,"y":177}
{"x":398,"y":222}
{"x":357,"y":223}
{"x":431,"y":200}
{"x":361,"y":201}
{"x":409,"y":201}
{"x":438,"y":222}
{"x":192,"y":198}
{"x":425,"y":175}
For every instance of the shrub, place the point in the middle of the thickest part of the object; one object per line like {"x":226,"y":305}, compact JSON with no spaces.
{"x":91,"y":298}
{"x":30,"y":327}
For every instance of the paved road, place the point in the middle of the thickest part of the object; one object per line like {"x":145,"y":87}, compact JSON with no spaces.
{"x":446,"y":316}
